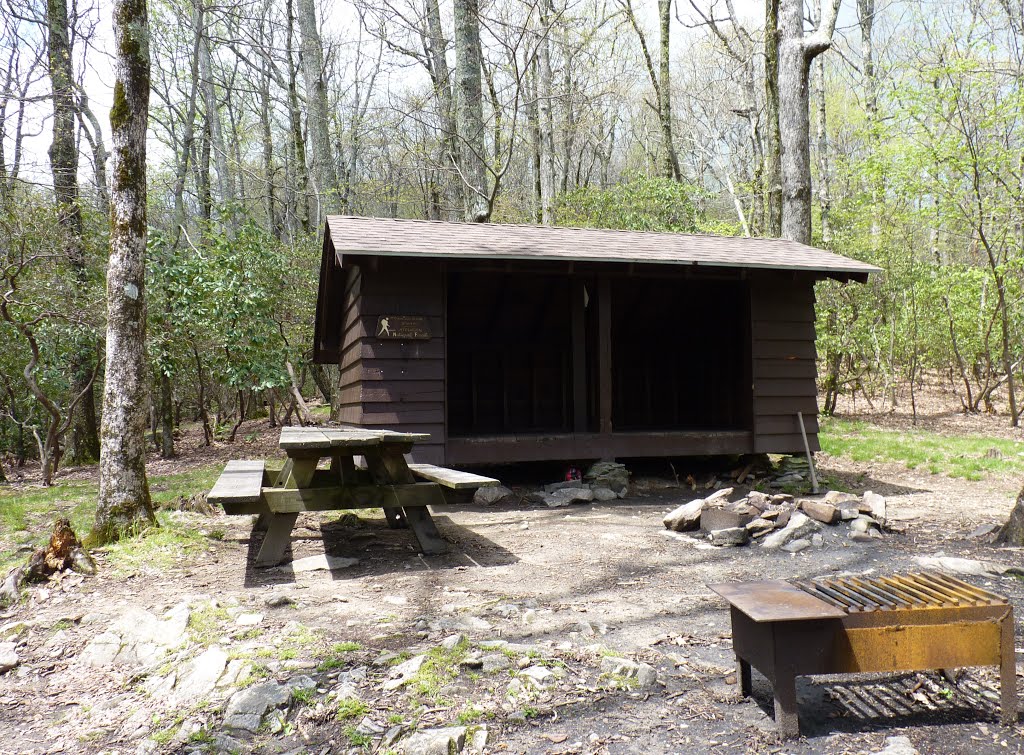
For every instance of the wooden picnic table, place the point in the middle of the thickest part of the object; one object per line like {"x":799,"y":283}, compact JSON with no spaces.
{"x":247,"y":487}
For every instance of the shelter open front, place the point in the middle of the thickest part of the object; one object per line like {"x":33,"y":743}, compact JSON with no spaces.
{"x":680,"y":356}
{"x":523,"y":354}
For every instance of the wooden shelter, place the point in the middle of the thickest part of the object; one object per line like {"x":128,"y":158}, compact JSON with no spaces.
{"x":519,"y":343}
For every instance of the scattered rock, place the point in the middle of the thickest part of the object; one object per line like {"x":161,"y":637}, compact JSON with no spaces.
{"x":978,"y":532}
{"x":685,"y":517}
{"x":539,"y":675}
{"x":453,"y":641}
{"x":799,"y":525}
{"x":757,"y":499}
{"x":795,"y":546}
{"x":494,"y":662}
{"x":403,"y":672}
{"x":564,"y":485}
{"x":820,"y":511}
{"x":245,"y":709}
{"x":249,"y":619}
{"x":319,"y":562}
{"x":875,"y":505}
{"x":447,"y":741}
{"x":566,"y":496}
{"x":848,"y":512}
{"x":198,"y":678}
{"x":8,"y":657}
{"x":604,"y":494}
{"x":643,"y":673}
{"x":489,"y":496}
{"x":759,"y":527}
{"x":730,"y":536}
{"x":278,"y":600}
{"x":863,"y":524}
{"x":13,"y":630}
{"x":967,"y":566}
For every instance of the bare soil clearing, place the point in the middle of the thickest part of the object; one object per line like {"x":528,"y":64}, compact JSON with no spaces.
{"x":567,"y":588}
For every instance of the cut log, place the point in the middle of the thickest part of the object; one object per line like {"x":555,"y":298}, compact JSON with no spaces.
{"x":1012,"y":533}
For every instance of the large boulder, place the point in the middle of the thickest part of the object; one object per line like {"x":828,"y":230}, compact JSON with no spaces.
{"x":685,"y":517}
{"x":245,"y":710}
{"x":490,"y":495}
{"x":875,"y":505}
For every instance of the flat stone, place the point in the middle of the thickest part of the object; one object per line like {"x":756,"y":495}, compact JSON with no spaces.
{"x":644,"y":673}
{"x":279,"y":600}
{"x":320,"y":562}
{"x":898,"y":746}
{"x":968,"y":566}
{"x":838,"y":497}
{"x":795,"y":546}
{"x":8,"y":657}
{"x":249,"y":619}
{"x":403,"y":672}
{"x":685,"y":517}
{"x":494,"y":662}
{"x":863,"y":523}
{"x":245,"y":709}
{"x":716,"y":517}
{"x":446,"y":741}
{"x":564,"y":485}
{"x":730,"y":536}
{"x":876,"y":505}
{"x":820,"y":511}
{"x":198,"y":677}
{"x":800,"y":525}
{"x":983,"y":530}
{"x":453,"y":641}
{"x":237,"y":671}
{"x":848,"y":512}
{"x":759,"y":526}
{"x":491,"y":495}
{"x":101,"y":650}
{"x":757,"y":499}
{"x":605,"y":494}
{"x":540,"y":675}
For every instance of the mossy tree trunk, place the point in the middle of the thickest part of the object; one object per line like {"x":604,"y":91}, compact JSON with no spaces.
{"x":124,"y":501}
{"x":1012,"y":532}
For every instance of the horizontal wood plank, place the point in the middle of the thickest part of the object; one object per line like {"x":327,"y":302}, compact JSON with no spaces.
{"x":240,"y":482}
{"x":452,"y":478}
{"x":774,"y":330}
{"x":290,"y":501}
{"x":784,"y":387}
{"x":784,"y":350}
{"x":775,"y":405}
{"x":785,"y":368}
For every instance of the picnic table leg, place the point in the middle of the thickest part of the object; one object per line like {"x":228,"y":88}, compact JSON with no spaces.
{"x":743,"y":677}
{"x":388,"y":467}
{"x":277,"y":539}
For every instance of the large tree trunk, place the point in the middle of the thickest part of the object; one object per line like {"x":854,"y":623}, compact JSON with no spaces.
{"x":225,"y":187}
{"x":772,"y":170}
{"x":318,"y":118}
{"x":1012,"y":533}
{"x":796,"y":52}
{"x":824,"y":193}
{"x":64,"y":166}
{"x":670,"y":161}
{"x":124,"y":501}
{"x":442,"y":79}
{"x":471,"y":111}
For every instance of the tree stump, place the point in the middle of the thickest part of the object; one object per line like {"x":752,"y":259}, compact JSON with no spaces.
{"x":1012,"y":532}
{"x":64,"y":551}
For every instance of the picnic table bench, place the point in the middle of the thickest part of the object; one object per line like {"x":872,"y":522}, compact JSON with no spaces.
{"x":386,"y":481}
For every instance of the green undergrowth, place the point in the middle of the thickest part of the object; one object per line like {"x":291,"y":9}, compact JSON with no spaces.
{"x":971,"y":457}
{"x":27,"y":515}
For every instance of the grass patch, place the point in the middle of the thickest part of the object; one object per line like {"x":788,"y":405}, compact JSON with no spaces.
{"x":440,"y":668}
{"x":971,"y":457}
{"x":337,"y":655}
{"x":356,"y":738}
{"x":206,"y":624}
{"x":33,"y":509}
{"x":350,"y":707}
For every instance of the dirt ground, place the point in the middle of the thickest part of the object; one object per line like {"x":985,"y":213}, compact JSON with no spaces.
{"x":574,"y":585}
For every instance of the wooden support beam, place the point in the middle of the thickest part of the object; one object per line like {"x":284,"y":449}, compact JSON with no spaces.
{"x":414,"y":494}
{"x":604,"y":355}
{"x":579,"y":356}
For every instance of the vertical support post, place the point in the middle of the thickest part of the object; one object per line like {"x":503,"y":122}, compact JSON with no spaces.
{"x":604,"y":355}
{"x":1007,"y":671}
{"x":743,"y":677}
{"x":807,"y":450}
{"x":579,"y":356}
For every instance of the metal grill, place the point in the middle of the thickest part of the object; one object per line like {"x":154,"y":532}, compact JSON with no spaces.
{"x":919,"y":590}
{"x":909,"y":622}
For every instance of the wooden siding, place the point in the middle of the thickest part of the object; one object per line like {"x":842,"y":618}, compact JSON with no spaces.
{"x":350,"y":401}
{"x":783,"y":362}
{"x":401,"y":382}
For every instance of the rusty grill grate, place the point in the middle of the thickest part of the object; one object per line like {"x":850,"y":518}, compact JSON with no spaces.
{"x":917,"y":591}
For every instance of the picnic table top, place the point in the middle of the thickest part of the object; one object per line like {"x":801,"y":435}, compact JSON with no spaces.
{"x":324,"y":438}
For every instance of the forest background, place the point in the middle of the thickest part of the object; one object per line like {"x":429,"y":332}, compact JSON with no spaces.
{"x":665,"y":116}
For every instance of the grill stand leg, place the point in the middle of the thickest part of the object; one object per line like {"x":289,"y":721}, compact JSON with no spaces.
{"x":1008,"y":672}
{"x":786,"y":720}
{"x":743,"y":677}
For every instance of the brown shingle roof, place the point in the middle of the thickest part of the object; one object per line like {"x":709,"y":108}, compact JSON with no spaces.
{"x":429,"y":238}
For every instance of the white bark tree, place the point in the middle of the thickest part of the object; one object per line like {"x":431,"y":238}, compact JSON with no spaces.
{"x":796,"y":52}
{"x":470,"y":109}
